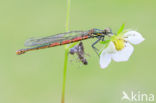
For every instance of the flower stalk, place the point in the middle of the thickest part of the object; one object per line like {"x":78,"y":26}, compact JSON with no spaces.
{"x":64,"y":75}
{"x":66,"y":54}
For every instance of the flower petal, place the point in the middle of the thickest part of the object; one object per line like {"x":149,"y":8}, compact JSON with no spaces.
{"x":133,"y":37}
{"x":124,"y":54}
{"x":105,"y":59}
{"x":111,"y":48}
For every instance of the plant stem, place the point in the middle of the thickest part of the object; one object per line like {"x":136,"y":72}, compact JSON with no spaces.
{"x":64,"y":75}
{"x":66,"y":54}
{"x":68,"y":15}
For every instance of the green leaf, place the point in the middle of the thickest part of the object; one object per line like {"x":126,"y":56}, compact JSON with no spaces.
{"x":121,"y":29}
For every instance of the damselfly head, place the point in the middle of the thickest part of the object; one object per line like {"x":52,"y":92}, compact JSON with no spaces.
{"x":107,"y":31}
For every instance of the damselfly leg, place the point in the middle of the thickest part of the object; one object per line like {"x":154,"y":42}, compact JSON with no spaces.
{"x":93,"y":45}
{"x":106,"y":31}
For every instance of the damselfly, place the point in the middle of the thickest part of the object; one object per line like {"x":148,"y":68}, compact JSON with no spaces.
{"x":65,"y":38}
{"x":79,"y":50}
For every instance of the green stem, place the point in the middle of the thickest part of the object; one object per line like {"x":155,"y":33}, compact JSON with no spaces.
{"x":64,"y":75}
{"x":68,"y":15}
{"x":66,"y":54}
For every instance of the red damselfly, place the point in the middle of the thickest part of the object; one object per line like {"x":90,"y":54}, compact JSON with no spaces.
{"x":79,"y":50}
{"x":64,"y":38}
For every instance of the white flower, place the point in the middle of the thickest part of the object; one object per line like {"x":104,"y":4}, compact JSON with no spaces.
{"x":119,"y":48}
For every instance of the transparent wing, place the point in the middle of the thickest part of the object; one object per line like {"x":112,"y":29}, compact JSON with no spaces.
{"x":54,"y":38}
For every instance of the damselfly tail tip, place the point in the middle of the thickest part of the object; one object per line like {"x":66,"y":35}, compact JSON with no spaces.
{"x":21,"y":51}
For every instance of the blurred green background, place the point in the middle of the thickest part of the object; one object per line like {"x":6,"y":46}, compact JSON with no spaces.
{"x":36,"y":77}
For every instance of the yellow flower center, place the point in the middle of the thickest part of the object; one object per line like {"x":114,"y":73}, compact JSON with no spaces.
{"x":119,"y":43}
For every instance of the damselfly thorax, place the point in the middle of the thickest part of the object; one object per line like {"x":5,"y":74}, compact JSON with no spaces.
{"x":64,"y":38}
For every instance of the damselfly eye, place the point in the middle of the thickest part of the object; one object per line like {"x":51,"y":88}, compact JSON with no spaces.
{"x":107,"y":31}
